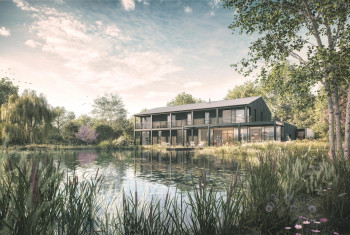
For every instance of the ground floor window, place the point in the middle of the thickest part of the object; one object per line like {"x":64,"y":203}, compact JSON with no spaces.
{"x":145,"y":140}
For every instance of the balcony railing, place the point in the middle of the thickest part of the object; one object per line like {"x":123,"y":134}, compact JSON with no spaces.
{"x":180,"y":123}
{"x":160,"y":124}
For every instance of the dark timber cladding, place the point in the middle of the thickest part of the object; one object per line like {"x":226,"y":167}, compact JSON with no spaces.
{"x":217,"y":123}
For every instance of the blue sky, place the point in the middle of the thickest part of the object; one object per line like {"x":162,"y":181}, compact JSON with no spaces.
{"x":146,"y":50}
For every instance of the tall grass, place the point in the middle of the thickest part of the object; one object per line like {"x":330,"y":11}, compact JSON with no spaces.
{"x":36,"y":197}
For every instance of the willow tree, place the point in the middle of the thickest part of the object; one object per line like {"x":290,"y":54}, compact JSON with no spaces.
{"x":26,"y":118}
{"x":314,"y":33}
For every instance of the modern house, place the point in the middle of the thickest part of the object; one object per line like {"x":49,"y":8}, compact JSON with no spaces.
{"x":217,"y":123}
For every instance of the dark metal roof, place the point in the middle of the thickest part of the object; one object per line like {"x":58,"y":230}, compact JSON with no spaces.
{"x":205,"y":105}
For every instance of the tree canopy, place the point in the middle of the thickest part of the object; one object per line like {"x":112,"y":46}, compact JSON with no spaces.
{"x":109,"y":107}
{"x":27,"y":119}
{"x":315,"y":34}
{"x":6,"y":89}
{"x":183,"y":98}
{"x":248,"y":89}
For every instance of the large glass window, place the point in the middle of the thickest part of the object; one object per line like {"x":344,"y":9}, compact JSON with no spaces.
{"x":235,"y":134}
{"x":255,"y":134}
{"x":233,"y":118}
{"x":244,"y":134}
{"x":226,"y":116}
{"x":240,"y":116}
{"x":145,"y":138}
{"x":189,"y":119}
{"x":278,"y":133}
{"x":206,"y":120}
{"x":203,"y":136}
{"x":268,"y":133}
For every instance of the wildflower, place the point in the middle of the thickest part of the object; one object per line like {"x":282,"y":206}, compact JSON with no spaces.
{"x":317,"y":222}
{"x":302,"y":217}
{"x":312,"y":209}
{"x":306,"y":222}
{"x":298,"y":234}
{"x":324,"y":190}
{"x":268,"y":208}
{"x":271,"y":204}
{"x":315,"y":231}
{"x":288,"y":228}
{"x":298,"y":226}
{"x":323,"y":220}
{"x":336,"y":233}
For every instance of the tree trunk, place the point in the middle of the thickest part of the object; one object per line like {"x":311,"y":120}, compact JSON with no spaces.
{"x":330,"y":123}
{"x":337,"y":121}
{"x":347,"y":129}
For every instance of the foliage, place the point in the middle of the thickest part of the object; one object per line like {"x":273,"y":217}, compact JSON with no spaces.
{"x":69,"y":132}
{"x":183,"y":98}
{"x":274,"y":192}
{"x":62,"y":117}
{"x":288,"y":93}
{"x":34,"y":198}
{"x":6,"y":90}
{"x":27,"y":119}
{"x":248,"y":89}
{"x":87,"y":134}
{"x":109,"y":107}
{"x":104,"y":132}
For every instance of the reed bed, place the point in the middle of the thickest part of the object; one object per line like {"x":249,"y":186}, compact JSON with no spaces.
{"x":281,"y":192}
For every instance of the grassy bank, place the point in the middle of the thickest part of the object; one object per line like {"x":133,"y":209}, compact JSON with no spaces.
{"x":281,"y":192}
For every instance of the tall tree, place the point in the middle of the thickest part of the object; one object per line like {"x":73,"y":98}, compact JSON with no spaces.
{"x":248,"y":89}
{"x":62,"y":117}
{"x":110,"y":107}
{"x":286,"y":28}
{"x":183,"y":98}
{"x":27,"y":119}
{"x":287,"y":89}
{"x":6,"y":89}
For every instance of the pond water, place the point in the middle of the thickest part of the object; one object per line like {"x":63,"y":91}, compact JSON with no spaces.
{"x":152,"y":173}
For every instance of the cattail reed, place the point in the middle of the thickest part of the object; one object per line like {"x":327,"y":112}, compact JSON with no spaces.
{"x":200,"y":186}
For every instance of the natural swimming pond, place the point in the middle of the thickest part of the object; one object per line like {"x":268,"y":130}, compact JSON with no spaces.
{"x":150,"y":172}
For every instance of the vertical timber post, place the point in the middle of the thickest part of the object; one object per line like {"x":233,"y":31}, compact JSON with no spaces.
{"x":274,"y":130}
{"x":208,"y":134}
{"x":183,"y":136}
{"x":151,"y":129}
{"x":239,"y":132}
{"x":171,"y":121}
{"x":246,"y":113}
{"x":134,"y":130}
{"x":217,"y":116}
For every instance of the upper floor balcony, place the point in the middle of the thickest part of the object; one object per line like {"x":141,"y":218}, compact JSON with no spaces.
{"x":185,"y":122}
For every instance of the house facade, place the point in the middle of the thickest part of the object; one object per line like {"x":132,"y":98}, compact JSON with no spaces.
{"x":224,"y":122}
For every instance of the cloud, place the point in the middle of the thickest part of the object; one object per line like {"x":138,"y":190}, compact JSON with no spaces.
{"x":115,"y":32}
{"x":4,"y":32}
{"x":88,"y":51}
{"x":192,"y":84}
{"x":212,"y":13}
{"x":188,"y":9}
{"x":128,"y":5}
{"x":31,"y":43}
{"x":214,"y":3}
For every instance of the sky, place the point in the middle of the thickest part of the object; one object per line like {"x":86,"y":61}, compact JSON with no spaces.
{"x":147,"y":51}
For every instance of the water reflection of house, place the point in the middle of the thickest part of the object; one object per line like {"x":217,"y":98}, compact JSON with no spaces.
{"x":211,"y":123}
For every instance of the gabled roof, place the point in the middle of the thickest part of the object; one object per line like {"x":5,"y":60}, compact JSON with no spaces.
{"x":204,"y":105}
